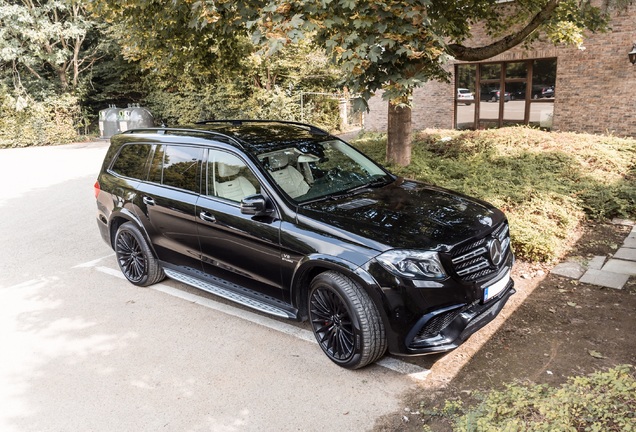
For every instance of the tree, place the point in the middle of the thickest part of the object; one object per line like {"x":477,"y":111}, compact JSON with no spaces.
{"x":392,"y":45}
{"x":399,"y":45}
{"x":41,"y":38}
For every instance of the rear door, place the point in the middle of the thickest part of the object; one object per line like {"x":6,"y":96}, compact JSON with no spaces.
{"x":167,"y":202}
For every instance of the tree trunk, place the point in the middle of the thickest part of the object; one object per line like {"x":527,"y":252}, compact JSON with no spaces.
{"x":398,"y":144}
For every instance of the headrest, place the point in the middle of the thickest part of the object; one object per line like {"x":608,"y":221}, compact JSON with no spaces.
{"x":279,"y":160}
{"x":226,"y":170}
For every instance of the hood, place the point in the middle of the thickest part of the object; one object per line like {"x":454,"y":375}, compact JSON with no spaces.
{"x":407,"y":215}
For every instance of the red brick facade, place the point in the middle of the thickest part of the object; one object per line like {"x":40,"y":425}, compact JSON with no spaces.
{"x":595,"y":87}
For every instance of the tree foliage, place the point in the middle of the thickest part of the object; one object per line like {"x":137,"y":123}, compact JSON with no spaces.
{"x":49,"y":41}
{"x":266,"y":87}
{"x":393,"y":45}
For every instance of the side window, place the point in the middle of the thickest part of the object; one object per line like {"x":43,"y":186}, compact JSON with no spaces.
{"x":229,"y":178}
{"x":131,"y":161}
{"x":177,"y":166}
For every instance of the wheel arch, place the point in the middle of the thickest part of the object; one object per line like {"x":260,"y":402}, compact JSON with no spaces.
{"x":121,"y":218}
{"x":312,"y":266}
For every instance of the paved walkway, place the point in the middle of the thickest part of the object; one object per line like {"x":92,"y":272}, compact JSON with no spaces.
{"x":612,"y":271}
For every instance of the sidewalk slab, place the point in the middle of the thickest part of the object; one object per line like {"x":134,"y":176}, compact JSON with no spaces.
{"x":630,"y":242}
{"x":628,"y":254}
{"x":620,"y":266}
{"x":605,"y":279}
{"x":569,"y":269}
{"x":597,"y":262}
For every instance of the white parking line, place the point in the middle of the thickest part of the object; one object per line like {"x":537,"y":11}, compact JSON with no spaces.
{"x":412,"y":371}
{"x":93,"y":263}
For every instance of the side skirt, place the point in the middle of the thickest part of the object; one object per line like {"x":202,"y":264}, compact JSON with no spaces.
{"x":253,"y":300}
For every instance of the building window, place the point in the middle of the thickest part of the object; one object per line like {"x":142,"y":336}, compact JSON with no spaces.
{"x":506,"y":93}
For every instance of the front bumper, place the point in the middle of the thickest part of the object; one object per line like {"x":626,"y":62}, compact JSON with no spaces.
{"x":445,"y":329}
{"x":433,"y":317}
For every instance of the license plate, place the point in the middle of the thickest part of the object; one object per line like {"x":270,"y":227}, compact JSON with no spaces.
{"x":494,"y":289}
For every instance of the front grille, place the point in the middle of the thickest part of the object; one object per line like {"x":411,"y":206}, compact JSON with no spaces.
{"x":472,"y":262}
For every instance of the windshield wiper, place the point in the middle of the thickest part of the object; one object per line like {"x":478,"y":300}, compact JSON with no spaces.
{"x":382,"y":181}
{"x":357,"y":189}
{"x":378,"y":182}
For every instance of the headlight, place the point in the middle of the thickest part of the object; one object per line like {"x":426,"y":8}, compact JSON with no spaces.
{"x":413,"y":264}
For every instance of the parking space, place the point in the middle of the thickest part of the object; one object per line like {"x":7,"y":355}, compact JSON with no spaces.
{"x":86,"y":350}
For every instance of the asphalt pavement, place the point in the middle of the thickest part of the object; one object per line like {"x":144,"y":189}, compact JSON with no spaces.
{"x":84,"y":350}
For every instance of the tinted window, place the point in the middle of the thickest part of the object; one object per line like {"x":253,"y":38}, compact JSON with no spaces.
{"x":544,"y":79}
{"x":177,"y":166}
{"x":131,"y":161}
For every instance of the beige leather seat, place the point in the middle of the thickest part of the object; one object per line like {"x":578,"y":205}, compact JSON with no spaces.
{"x":287,"y":177}
{"x":235,"y":189}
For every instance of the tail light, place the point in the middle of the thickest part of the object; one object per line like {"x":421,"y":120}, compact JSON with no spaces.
{"x":97,"y":188}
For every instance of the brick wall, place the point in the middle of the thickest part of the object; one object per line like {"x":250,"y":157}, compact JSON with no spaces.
{"x":595,"y":87}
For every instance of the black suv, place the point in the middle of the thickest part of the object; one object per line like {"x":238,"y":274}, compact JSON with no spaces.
{"x":292,"y":221}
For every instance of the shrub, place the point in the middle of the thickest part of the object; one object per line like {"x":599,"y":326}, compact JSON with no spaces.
{"x":603,"y":401}
{"x":25,"y":122}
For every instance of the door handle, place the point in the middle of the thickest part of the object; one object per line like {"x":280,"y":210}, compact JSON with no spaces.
{"x":207,"y":217}
{"x":148,"y":201}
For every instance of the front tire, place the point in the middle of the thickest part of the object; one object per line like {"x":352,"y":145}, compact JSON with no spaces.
{"x":345,"y":321}
{"x":135,"y":258}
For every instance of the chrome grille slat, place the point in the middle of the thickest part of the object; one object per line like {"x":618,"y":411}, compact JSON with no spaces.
{"x":472,"y":262}
{"x":469,"y":255}
{"x":469,"y":247}
{"x":474,"y":268}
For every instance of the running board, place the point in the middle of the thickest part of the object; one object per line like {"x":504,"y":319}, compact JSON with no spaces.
{"x":244,"y":300}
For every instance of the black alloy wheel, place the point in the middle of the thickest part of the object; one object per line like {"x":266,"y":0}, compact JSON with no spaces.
{"x":345,"y":321}
{"x":135,"y":258}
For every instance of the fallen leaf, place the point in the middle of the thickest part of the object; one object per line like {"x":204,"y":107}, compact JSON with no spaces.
{"x":596,"y":354}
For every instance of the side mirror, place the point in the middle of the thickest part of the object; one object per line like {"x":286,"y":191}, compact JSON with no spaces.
{"x":255,"y":205}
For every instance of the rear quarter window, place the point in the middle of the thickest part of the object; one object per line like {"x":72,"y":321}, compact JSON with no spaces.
{"x":131,"y":161}
{"x":177,"y":166}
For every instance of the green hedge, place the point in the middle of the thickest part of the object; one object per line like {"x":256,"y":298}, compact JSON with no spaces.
{"x":25,"y":122}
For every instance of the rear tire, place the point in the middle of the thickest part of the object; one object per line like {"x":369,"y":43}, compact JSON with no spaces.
{"x":135,"y":258}
{"x":345,"y":321}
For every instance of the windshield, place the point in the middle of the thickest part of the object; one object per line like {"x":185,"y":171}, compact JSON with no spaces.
{"x":308,"y":172}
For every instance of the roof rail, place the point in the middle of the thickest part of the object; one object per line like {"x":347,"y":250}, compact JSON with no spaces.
{"x":238,"y":122}
{"x":168,"y":130}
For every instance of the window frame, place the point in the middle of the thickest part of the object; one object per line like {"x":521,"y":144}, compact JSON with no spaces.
{"x":501,"y":83}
